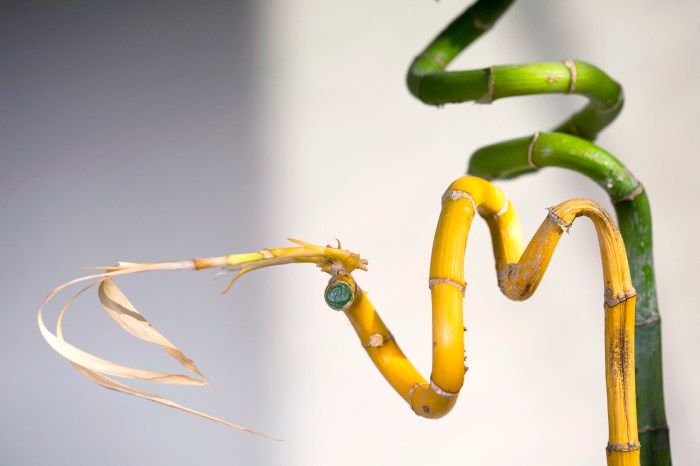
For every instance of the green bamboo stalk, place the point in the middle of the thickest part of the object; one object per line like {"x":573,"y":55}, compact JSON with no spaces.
{"x":525,"y":155}
{"x":428,"y":81}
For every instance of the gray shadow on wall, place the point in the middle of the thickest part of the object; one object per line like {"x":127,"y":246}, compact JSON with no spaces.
{"x":128,"y":132}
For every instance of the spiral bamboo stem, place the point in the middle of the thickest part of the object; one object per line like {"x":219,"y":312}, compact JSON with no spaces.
{"x":520,"y":271}
{"x":567,"y":146}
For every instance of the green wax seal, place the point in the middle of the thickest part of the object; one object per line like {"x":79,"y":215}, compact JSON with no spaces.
{"x":338,"y":295}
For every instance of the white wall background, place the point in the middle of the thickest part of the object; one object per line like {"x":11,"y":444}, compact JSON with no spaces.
{"x":365,"y":162}
{"x":181,"y":130}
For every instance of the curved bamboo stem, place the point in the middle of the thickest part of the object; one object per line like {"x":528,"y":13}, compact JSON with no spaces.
{"x":520,"y":271}
{"x":428,"y":81}
{"x":521,"y":156}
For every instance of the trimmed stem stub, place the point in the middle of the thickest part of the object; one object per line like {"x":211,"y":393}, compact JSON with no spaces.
{"x":340,"y":293}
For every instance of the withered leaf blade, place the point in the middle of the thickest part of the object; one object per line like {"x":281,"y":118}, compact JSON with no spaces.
{"x":119,"y":308}
{"x":124,"y":313}
{"x":255,"y":266}
{"x":112,"y":384}
{"x":103,"y":366}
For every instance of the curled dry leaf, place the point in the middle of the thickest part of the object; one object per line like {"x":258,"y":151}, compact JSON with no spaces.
{"x":123,"y":388}
{"x":125,"y":314}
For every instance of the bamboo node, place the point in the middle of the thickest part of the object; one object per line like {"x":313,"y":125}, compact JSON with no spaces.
{"x":573,"y":129}
{"x":267,"y":254}
{"x":630,"y":446}
{"x":332,"y":267}
{"x":531,"y":150}
{"x":433,"y":58}
{"x":440,"y":392}
{"x":559,"y":221}
{"x":488,"y":97}
{"x":613,"y":107}
{"x":504,"y":209}
{"x":612,"y":300}
{"x":638,"y":190}
{"x":653,"y":428}
{"x":377,"y":340}
{"x":412,"y":391}
{"x":479,"y":25}
{"x":434,"y":281}
{"x":571,"y":65}
{"x":648,"y":321}
{"x":457,"y":195}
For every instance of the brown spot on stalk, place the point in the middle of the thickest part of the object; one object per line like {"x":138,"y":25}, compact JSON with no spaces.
{"x":619,"y":357}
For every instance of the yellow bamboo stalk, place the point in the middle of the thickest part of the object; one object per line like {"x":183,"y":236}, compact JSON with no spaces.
{"x":519,"y":273}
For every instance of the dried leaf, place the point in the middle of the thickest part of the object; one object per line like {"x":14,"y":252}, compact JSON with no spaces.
{"x":123,"y":388}
{"x":244,"y":269}
{"x":91,"y":362}
{"x":125,"y":314}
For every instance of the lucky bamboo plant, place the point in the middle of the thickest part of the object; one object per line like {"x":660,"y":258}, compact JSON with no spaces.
{"x":520,"y":271}
{"x":519,"y":268}
{"x":567,"y":146}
